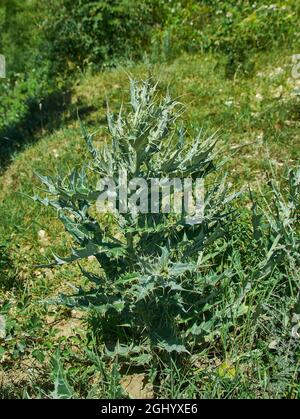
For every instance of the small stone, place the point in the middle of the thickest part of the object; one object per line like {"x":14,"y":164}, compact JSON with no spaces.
{"x":2,"y":327}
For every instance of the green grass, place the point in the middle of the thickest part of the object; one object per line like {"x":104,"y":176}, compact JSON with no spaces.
{"x":258,"y":120}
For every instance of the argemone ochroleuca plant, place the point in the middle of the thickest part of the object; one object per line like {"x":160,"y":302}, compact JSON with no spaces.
{"x":157,"y":206}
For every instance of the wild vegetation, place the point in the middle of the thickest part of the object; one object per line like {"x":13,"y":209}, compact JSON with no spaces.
{"x":149,"y":305}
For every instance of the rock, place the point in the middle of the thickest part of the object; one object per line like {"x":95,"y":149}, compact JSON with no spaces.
{"x":2,"y":327}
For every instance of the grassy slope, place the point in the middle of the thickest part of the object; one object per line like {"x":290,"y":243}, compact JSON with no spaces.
{"x":258,"y":119}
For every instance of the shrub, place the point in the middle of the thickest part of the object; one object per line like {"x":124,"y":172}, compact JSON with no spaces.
{"x":28,"y":81}
{"x":80,"y":33}
{"x":246,"y":28}
{"x":236,"y":28}
{"x":27,"y":107}
{"x":18,"y":35}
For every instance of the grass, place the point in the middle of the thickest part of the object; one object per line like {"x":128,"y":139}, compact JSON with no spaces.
{"x":258,"y":120}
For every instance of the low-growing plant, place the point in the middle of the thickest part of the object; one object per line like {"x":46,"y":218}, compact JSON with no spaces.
{"x":155,"y":288}
{"x":275,"y":220}
{"x":164,"y":287}
{"x":276,"y":231}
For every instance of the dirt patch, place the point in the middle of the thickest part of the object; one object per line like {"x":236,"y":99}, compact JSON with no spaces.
{"x":137,"y":387}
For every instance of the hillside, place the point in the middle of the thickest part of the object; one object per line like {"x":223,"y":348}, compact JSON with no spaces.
{"x":257,"y":119}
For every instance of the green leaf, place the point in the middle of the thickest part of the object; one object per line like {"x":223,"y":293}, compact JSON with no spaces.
{"x":62,"y":388}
